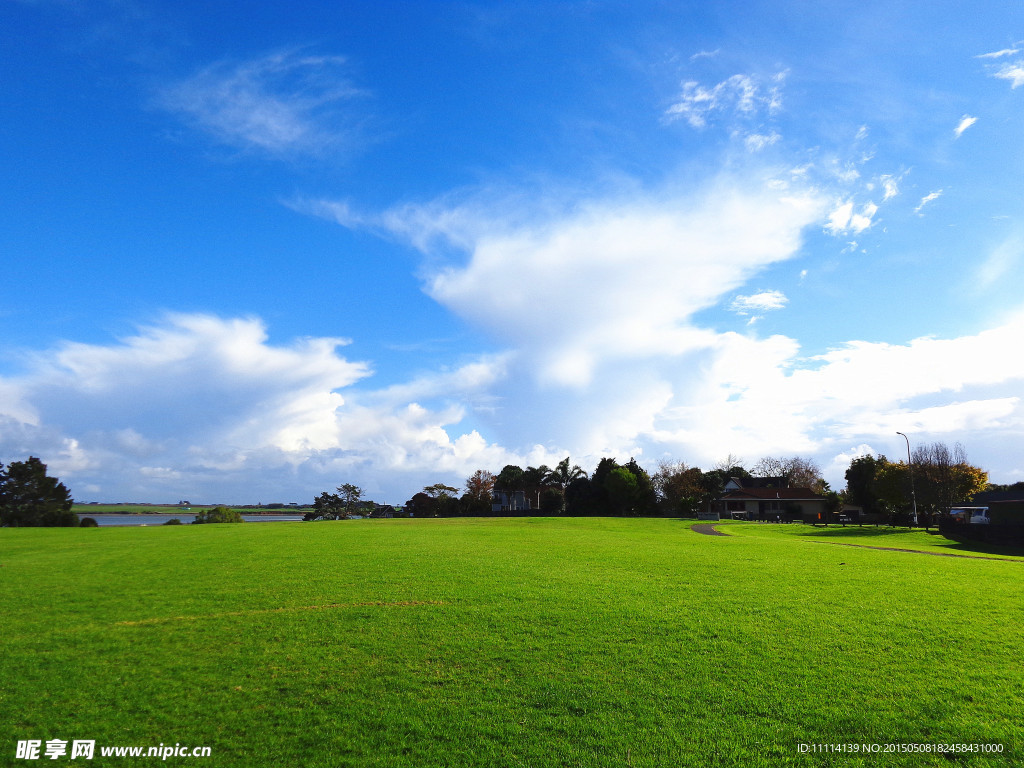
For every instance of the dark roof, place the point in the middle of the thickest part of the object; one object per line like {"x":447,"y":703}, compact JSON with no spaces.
{"x":760,"y":482}
{"x":786,"y":494}
{"x":995,"y":497}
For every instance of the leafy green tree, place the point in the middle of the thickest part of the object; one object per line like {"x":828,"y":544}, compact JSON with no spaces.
{"x":30,"y":497}
{"x":679,"y":489}
{"x":422,"y":505}
{"x":552,"y":502}
{"x":583,"y":498}
{"x":329,"y":506}
{"x":623,"y":491}
{"x":218,"y":514}
{"x":645,"y":497}
{"x":861,"y":483}
{"x":350,"y":496}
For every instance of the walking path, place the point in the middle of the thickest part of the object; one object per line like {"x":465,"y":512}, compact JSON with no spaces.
{"x":708,"y":529}
{"x":917,"y":551}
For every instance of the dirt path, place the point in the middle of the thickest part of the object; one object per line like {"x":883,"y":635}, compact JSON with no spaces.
{"x":708,"y":529}
{"x":915,"y":551}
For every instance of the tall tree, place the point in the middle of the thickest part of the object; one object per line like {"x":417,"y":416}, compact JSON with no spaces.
{"x":535,"y":479}
{"x":679,"y":489}
{"x":478,"y":497}
{"x":623,"y":491}
{"x":350,"y":497}
{"x":646,"y":498}
{"x":944,"y":477}
{"x":860,"y":482}
{"x":30,"y":497}
{"x":563,"y":474}
{"x":796,"y":471}
{"x":479,"y":486}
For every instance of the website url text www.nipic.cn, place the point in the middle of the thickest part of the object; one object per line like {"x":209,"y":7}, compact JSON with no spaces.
{"x":53,"y":749}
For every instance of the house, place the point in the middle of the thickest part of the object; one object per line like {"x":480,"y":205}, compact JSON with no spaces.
{"x":769,"y":498}
{"x":503,"y":501}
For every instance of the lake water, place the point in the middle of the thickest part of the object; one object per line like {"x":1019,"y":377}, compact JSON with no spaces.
{"x":185,"y":517}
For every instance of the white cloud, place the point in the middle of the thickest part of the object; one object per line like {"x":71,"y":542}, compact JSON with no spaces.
{"x":965,"y":122}
{"x":927,"y":199}
{"x":757,"y":141}
{"x":1006,"y":70}
{"x":891,"y":186}
{"x":196,"y":404}
{"x":282,"y":103}
{"x":764,"y":301}
{"x":616,"y":278}
{"x":999,"y":54}
{"x":740,"y":96}
{"x":844,"y":219}
{"x":1012,"y":72}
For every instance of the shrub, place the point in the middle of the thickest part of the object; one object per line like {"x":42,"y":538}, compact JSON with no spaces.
{"x":88,"y":522}
{"x":219,"y":515}
{"x":173,"y":521}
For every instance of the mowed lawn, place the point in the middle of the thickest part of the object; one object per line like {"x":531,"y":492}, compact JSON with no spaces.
{"x":506,"y":642}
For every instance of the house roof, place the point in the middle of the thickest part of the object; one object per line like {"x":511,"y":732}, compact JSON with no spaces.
{"x":766,"y":494}
{"x":759,"y":482}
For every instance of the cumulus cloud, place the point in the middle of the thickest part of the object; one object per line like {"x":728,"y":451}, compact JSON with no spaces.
{"x":965,"y":122}
{"x":618,"y":279}
{"x":844,"y":219}
{"x":283,"y":103}
{"x":197,"y":403}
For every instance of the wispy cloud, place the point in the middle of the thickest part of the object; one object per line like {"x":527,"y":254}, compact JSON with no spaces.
{"x":705,"y":54}
{"x":283,"y":103}
{"x":738,"y":96}
{"x":758,"y":141}
{"x":890,"y":186}
{"x":1006,"y":64}
{"x":1000,"y":261}
{"x":927,"y":199}
{"x":756,"y":304}
{"x":965,"y":122}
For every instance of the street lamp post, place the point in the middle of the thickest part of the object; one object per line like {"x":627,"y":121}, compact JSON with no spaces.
{"x":910,"y":466}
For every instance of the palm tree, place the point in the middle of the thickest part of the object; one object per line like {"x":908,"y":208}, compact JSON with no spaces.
{"x":535,"y":478}
{"x":562,"y":475}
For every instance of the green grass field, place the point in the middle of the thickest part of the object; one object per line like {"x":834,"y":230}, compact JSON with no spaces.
{"x":508,"y":642}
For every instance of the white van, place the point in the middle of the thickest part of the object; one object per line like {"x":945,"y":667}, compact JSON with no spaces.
{"x":973,"y":515}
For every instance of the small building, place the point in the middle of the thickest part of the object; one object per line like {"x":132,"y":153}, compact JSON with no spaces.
{"x":772,"y":505}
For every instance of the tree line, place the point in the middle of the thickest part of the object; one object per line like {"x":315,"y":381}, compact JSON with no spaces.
{"x":942,"y":478}
{"x":936,"y":478}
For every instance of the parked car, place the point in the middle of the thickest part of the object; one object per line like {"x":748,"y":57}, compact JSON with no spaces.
{"x":972,"y":515}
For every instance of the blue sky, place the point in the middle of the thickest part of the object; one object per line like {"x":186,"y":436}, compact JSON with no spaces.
{"x":250,"y":259}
